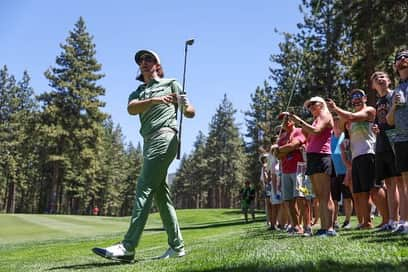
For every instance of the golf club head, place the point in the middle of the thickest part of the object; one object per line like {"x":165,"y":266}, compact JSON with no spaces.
{"x":190,"y":42}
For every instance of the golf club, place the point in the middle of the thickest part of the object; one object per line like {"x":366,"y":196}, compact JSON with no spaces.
{"x":183,"y":91}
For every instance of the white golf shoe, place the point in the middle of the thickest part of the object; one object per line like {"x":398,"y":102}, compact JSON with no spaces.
{"x":116,"y":252}
{"x":171,"y":253}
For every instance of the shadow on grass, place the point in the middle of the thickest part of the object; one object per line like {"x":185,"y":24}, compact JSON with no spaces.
{"x":324,"y":265}
{"x":398,"y":239}
{"x":215,"y":224}
{"x":97,"y":264}
{"x":367,"y":236}
{"x":237,"y":211}
{"x":87,"y":266}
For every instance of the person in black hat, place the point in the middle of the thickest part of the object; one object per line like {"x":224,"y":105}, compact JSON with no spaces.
{"x":156,"y":102}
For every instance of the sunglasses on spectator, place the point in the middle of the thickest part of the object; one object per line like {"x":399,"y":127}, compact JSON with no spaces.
{"x":403,"y":55}
{"x":146,"y":58}
{"x":356,"y":96}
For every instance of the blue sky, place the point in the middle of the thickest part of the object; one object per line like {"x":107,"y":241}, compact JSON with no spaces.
{"x":233,"y":42}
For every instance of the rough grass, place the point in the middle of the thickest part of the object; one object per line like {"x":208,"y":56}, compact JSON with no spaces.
{"x":216,"y":240}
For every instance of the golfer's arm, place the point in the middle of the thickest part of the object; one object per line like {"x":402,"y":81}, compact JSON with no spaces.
{"x":136,"y":107}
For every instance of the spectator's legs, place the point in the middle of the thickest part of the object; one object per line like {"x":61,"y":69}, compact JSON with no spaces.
{"x":348,"y":208}
{"x":393,"y":197}
{"x":379,"y":198}
{"x":403,"y":193}
{"x":321,"y":186}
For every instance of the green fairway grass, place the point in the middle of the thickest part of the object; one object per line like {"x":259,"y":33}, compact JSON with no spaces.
{"x":216,"y":240}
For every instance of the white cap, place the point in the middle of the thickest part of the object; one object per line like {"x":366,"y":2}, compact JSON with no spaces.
{"x":313,"y":99}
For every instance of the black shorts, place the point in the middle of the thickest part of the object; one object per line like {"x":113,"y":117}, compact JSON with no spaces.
{"x":385,"y":166}
{"x":401,"y":156}
{"x":338,"y":188}
{"x":318,"y":163}
{"x":363,"y":173}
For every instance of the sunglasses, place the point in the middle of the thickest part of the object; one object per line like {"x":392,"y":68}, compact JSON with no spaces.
{"x":399,"y":57}
{"x":356,"y":96}
{"x":146,"y":58}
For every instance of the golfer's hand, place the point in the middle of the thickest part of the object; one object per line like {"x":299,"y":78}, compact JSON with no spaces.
{"x":186,"y":106}
{"x":166,"y":99}
{"x":184,"y":101}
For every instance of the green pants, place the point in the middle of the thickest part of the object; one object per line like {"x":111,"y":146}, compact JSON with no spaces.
{"x":158,"y":152}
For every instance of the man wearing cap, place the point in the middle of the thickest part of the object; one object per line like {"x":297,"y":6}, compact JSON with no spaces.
{"x":398,"y":116}
{"x":362,"y":144}
{"x":385,"y":164}
{"x":155,"y":101}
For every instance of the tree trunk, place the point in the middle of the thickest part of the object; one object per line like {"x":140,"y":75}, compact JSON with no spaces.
{"x":52,"y":198}
{"x":11,"y":199}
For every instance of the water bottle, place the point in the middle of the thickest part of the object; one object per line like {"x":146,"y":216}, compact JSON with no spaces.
{"x":300,"y":177}
{"x":402,"y":100}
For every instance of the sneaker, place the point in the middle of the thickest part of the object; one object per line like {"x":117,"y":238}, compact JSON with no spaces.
{"x":346,"y":225}
{"x":331,"y":232}
{"x":308,"y":232}
{"x":296,"y":231}
{"x":405,"y":230}
{"x":321,"y":233}
{"x":171,"y":253}
{"x":290,"y":229}
{"x":280,"y":227}
{"x":336,"y":225}
{"x":272,"y":228}
{"x":116,"y":252}
{"x":398,"y":228}
{"x":384,"y":227}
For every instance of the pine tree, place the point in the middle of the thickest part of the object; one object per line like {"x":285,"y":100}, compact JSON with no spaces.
{"x":108,"y":194}
{"x":17,"y":108}
{"x":260,"y":123}
{"x":73,"y":124}
{"x":191,"y":181}
{"x":134,"y":158}
{"x":180,"y":186}
{"x":225,"y":156}
{"x":376,"y":29}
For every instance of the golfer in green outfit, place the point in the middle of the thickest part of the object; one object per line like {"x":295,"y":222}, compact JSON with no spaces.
{"x":156,"y":102}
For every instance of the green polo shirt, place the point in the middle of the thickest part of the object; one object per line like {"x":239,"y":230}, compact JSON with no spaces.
{"x":160,"y":115}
